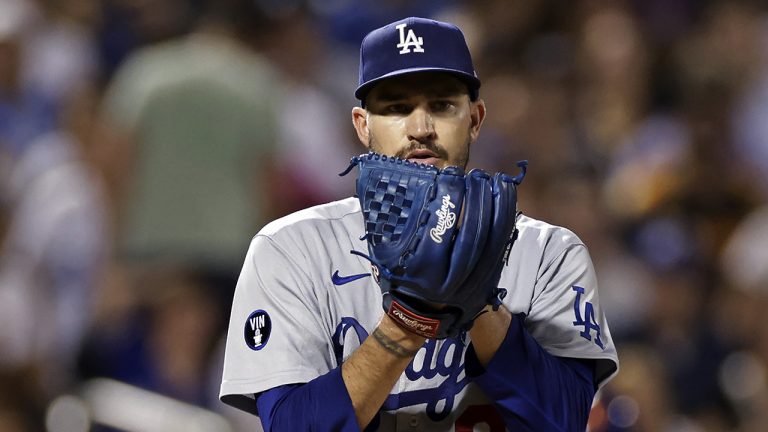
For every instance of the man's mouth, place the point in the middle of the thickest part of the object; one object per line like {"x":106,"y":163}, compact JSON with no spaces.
{"x":422,"y":156}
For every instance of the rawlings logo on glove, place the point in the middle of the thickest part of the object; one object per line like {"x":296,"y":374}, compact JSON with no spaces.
{"x":435,"y":276}
{"x":445,"y":221}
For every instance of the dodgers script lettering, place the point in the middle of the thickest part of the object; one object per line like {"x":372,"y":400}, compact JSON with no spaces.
{"x":439,"y":361}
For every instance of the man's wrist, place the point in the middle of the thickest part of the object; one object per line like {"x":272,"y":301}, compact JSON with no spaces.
{"x":391,"y":345}
{"x":395,"y":339}
{"x":488,"y":332}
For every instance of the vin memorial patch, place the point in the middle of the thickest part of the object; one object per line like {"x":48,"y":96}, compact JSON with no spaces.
{"x":258,"y":326}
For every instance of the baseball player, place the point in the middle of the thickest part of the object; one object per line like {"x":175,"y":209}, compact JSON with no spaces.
{"x":311,"y":348}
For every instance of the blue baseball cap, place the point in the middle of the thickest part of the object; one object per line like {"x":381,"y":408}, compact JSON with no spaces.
{"x":415,"y":45}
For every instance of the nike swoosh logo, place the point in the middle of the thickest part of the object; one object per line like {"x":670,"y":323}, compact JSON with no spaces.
{"x":341,"y":280}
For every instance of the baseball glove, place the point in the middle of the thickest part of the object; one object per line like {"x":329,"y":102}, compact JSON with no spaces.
{"x":437,"y":238}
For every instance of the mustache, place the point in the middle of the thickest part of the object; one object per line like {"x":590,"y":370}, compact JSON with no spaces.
{"x":435,"y":148}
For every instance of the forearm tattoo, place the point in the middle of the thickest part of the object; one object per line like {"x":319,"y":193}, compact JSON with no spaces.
{"x":391,"y":345}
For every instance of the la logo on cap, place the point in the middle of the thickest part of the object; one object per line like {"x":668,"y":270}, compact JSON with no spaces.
{"x":384,"y":53}
{"x":406,"y":42}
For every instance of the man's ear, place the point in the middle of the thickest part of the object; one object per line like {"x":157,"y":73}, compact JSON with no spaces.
{"x":477,"y":115}
{"x":360,"y":121}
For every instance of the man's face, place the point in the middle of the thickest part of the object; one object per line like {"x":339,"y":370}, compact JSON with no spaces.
{"x":422,"y":117}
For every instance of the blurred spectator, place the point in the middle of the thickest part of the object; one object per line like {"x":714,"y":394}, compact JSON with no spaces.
{"x":648,"y":167}
{"x":613,"y":68}
{"x":310,"y":149}
{"x":162,"y":341}
{"x":59,"y":54}
{"x":350,"y":20}
{"x":745,"y":254}
{"x":192,"y":125}
{"x":124,"y":26}
{"x":750,"y":131}
{"x":26,"y":111}
{"x":638,"y":399}
{"x":21,"y":408}
{"x":53,"y":235}
{"x":50,"y":257}
{"x":744,"y":375}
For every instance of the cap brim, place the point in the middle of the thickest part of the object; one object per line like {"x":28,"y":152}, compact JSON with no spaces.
{"x":472,"y":81}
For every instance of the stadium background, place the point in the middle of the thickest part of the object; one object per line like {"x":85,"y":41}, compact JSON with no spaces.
{"x":644,"y":122}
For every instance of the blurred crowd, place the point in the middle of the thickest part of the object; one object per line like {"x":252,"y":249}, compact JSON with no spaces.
{"x":143,"y":143}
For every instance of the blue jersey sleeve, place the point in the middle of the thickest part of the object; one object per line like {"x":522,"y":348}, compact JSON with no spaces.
{"x":532,"y":389}
{"x":321,"y":404}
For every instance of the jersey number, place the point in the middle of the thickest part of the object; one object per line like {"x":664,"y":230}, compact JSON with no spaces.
{"x":588,"y":321}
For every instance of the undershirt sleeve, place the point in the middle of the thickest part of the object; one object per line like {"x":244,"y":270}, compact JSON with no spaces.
{"x":532,"y":389}
{"x":322,"y":404}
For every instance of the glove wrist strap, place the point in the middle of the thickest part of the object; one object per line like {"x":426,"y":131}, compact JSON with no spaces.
{"x":414,"y":323}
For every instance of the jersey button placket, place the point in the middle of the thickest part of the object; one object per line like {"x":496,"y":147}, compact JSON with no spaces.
{"x":413,"y":422}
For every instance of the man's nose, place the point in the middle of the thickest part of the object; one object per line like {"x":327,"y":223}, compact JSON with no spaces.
{"x":421,"y":127}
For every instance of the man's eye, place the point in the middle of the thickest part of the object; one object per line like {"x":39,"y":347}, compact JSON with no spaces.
{"x":442,"y":105}
{"x":397,"y":108}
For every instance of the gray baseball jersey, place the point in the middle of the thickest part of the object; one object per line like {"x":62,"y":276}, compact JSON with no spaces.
{"x":304,"y":303}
